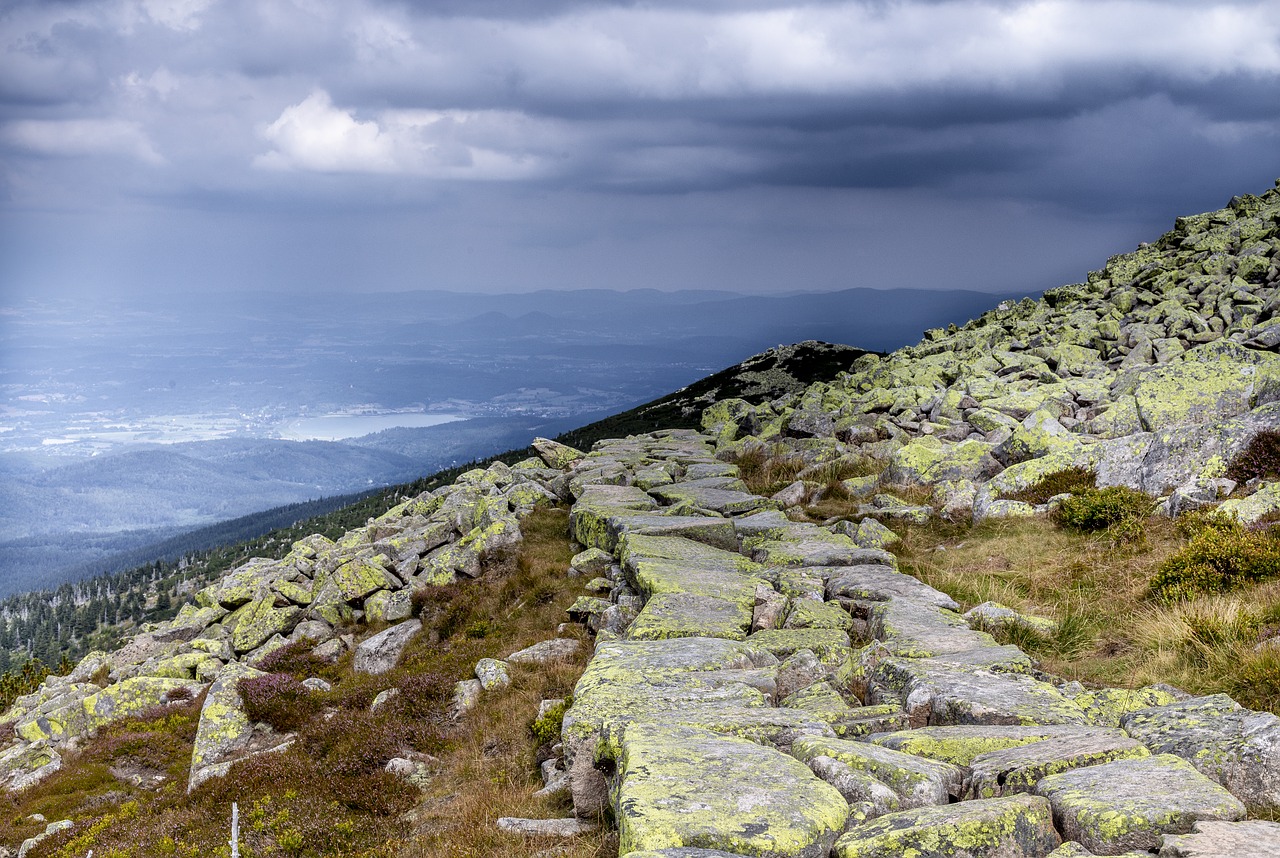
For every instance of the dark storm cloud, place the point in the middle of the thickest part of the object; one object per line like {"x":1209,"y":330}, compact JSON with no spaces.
{"x":492,"y":111}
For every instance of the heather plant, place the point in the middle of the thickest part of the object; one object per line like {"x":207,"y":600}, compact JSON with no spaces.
{"x":1260,"y":459}
{"x":279,"y":699}
{"x":1072,"y":481}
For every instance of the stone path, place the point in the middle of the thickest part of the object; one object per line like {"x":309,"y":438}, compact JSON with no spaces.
{"x":762,"y":687}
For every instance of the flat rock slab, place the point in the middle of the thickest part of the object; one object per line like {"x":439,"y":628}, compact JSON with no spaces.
{"x":1130,"y":804}
{"x":962,"y":745}
{"x":918,"y":782}
{"x":940,"y":694}
{"x":544,"y":652}
{"x":683,"y":615}
{"x":716,"y":532}
{"x":638,"y":549}
{"x":831,"y":646}
{"x":1015,"y":770}
{"x":685,"y":787}
{"x":1011,"y":827}
{"x":915,"y":630}
{"x":1237,"y":747}
{"x":1253,"y":839}
{"x":813,"y":548}
{"x":762,"y":523}
{"x":878,"y":583}
{"x":724,"y":495}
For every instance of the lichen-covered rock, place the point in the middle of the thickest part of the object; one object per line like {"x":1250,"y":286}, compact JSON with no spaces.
{"x":962,"y":744}
{"x":916,"y":780}
{"x":492,"y":674}
{"x":1263,"y":502}
{"x":928,"y":459}
{"x":224,"y":727}
{"x":1236,"y":747}
{"x":1212,"y":381}
{"x":1130,"y":804}
{"x":686,"y":787}
{"x":873,"y":534}
{"x":260,"y":619}
{"x":546,"y":651}
{"x":1019,"y":769}
{"x":993,"y":615}
{"x":1251,"y":839}
{"x":1106,"y":706}
{"x":1013,"y":827}
{"x":132,"y":696}
{"x":555,"y":454}
{"x":26,"y":764}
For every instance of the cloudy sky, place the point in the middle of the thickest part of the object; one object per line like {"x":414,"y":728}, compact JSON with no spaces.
{"x":188,"y":145}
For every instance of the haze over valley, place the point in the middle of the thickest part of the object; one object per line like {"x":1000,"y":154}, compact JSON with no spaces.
{"x":126,"y":421}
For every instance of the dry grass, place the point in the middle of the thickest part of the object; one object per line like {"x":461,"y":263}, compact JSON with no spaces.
{"x":1110,"y":633}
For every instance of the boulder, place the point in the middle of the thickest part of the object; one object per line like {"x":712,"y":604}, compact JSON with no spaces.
{"x":1236,"y":747}
{"x":687,"y":787}
{"x":1013,"y":827}
{"x":1132,"y":803}
{"x":382,"y":652}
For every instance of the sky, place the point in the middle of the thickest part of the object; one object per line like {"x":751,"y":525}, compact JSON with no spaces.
{"x":186,"y":146}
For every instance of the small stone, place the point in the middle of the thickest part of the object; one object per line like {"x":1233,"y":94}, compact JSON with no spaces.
{"x":315,"y":683}
{"x":544,"y":652}
{"x":492,"y":674}
{"x":466,"y":696}
{"x":384,"y":697}
{"x":570,"y":827}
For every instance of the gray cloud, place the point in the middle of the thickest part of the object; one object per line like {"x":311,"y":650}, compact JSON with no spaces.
{"x":558,"y":135}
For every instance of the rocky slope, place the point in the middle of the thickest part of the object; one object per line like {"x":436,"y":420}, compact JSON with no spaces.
{"x":767,"y":687}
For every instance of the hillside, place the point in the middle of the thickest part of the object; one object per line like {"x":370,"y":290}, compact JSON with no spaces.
{"x":1011,"y":591}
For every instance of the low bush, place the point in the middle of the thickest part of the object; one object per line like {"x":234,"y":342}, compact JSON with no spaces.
{"x":1072,"y":481}
{"x":1119,"y":509}
{"x":1260,"y":459}
{"x":296,"y":658}
{"x":546,"y":729}
{"x":1218,"y":558}
{"x":279,"y":699}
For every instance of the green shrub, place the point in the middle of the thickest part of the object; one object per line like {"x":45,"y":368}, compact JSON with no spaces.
{"x":546,"y":730}
{"x":1215,"y":560}
{"x":1260,"y":459}
{"x":1118,"y":508}
{"x":1072,"y":481}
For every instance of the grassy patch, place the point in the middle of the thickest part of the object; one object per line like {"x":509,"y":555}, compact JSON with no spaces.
{"x":1110,"y":631}
{"x":328,"y":794}
{"x":767,"y":470}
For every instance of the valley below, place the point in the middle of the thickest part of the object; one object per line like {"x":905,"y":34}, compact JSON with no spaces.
{"x":125,"y":423}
